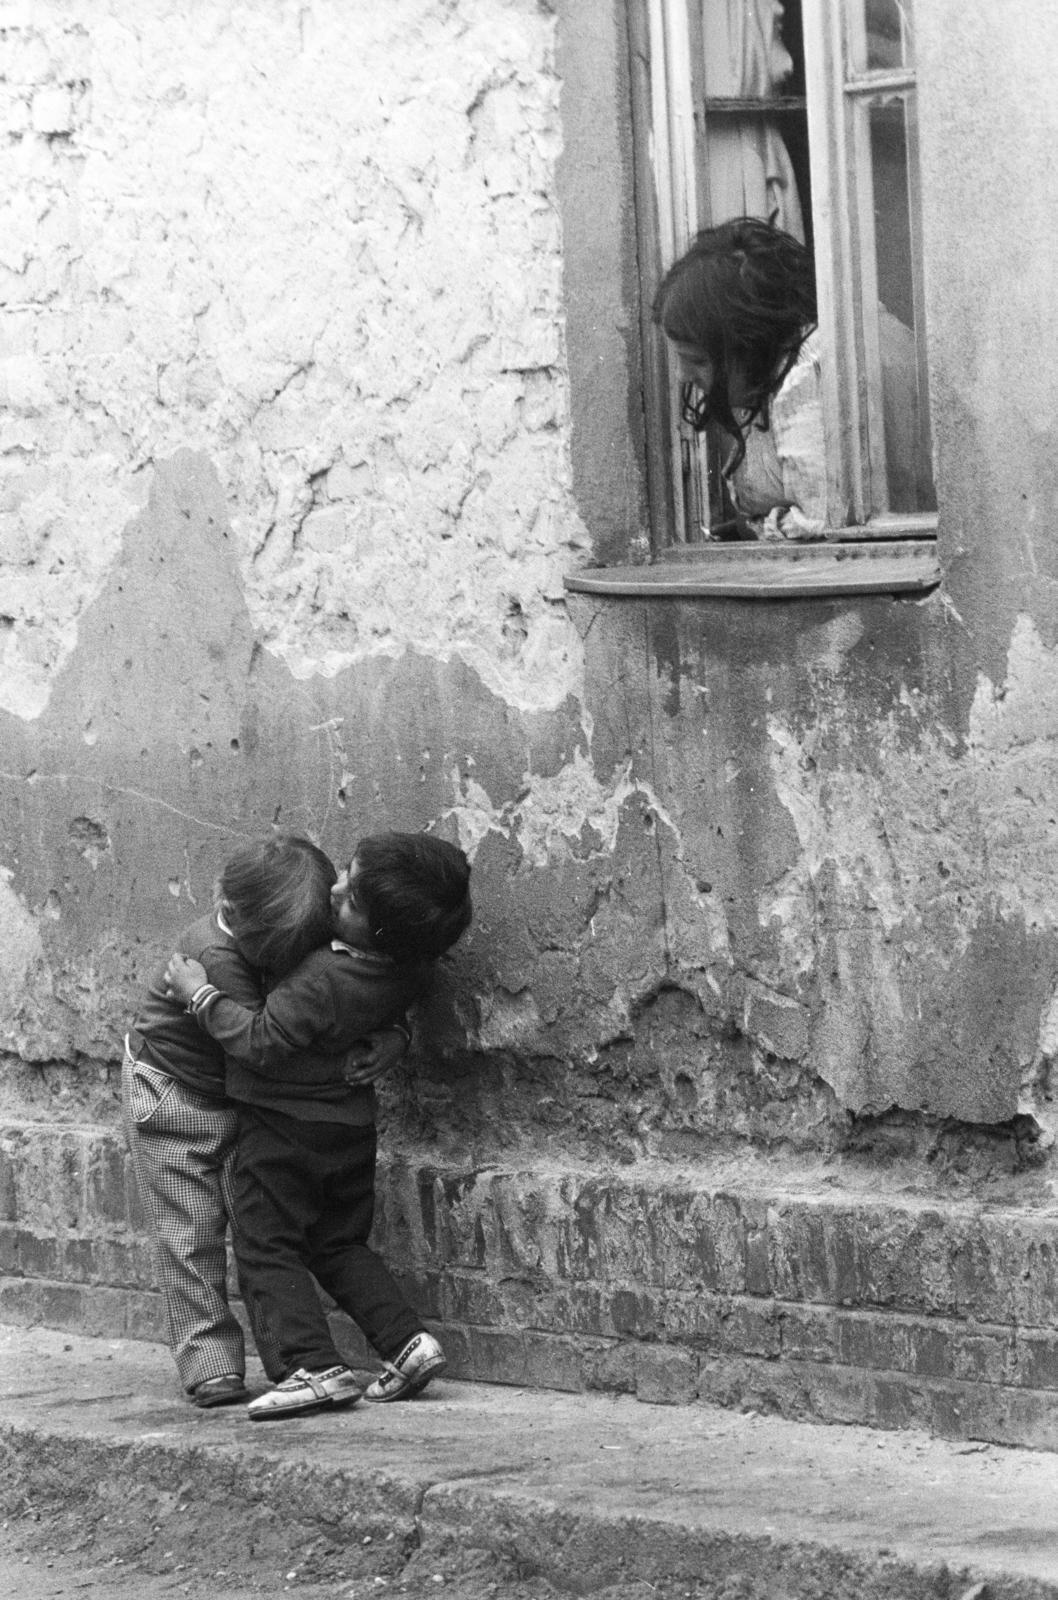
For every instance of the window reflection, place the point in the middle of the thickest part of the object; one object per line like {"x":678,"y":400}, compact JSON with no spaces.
{"x":888,"y":36}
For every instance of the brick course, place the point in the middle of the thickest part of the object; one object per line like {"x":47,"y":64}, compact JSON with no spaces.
{"x":883,"y":1311}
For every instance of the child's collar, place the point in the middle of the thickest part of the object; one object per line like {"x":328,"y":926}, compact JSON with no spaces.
{"x":375,"y":960}
{"x":362,"y":955}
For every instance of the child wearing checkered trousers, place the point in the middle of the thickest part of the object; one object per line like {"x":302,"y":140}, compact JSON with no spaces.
{"x":305,"y":1153}
{"x":272,"y":906}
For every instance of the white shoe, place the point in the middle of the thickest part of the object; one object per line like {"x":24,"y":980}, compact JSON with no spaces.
{"x":421,"y":1359}
{"x":306,"y":1391}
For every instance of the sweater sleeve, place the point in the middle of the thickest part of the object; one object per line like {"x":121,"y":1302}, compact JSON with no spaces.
{"x":294,"y":1016}
{"x":230,"y":972}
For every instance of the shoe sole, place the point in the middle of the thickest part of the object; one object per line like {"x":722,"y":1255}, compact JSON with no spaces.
{"x":237,"y":1399}
{"x":433,"y":1371}
{"x":279,"y":1413}
{"x":221,"y":1397}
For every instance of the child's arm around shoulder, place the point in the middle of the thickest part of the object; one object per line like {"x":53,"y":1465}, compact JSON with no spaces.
{"x":372,"y":1055}
{"x":229,"y":971}
{"x":262,"y":1036}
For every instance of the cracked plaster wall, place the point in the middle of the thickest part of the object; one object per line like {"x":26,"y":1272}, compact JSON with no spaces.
{"x":319,"y":247}
{"x":936,"y":867}
{"x":319,"y":241}
{"x":287,"y":505}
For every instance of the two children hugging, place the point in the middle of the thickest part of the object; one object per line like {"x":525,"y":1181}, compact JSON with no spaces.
{"x":248,"y":1098}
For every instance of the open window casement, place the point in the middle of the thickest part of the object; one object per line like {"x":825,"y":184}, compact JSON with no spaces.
{"x":801,"y":112}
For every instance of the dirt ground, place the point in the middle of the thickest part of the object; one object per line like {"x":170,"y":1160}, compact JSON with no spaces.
{"x":62,"y":1552}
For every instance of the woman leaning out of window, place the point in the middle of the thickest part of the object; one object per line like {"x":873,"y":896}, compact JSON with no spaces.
{"x":739,"y":310}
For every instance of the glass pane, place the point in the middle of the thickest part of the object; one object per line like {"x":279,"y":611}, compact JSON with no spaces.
{"x":882,"y":35}
{"x":900,"y":332}
{"x":756,"y":151}
{"x":746,"y":50}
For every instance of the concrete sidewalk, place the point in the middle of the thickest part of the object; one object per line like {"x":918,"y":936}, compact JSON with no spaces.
{"x":589,"y":1491}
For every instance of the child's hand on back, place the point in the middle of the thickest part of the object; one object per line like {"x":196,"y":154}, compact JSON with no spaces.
{"x":183,"y":977}
{"x":374,"y":1056}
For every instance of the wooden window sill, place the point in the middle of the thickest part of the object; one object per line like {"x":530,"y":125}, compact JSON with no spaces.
{"x":746,"y":571}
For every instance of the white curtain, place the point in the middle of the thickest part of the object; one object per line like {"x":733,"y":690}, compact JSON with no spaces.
{"x":750,"y":172}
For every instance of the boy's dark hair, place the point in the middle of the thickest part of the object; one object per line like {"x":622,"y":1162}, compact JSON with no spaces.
{"x":743,"y":294}
{"x":415,"y":892}
{"x":279,"y":893}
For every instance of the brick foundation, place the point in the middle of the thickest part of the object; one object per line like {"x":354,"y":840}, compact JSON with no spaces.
{"x":839,"y":1308}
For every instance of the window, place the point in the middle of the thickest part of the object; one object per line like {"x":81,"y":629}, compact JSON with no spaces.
{"x":802,"y":112}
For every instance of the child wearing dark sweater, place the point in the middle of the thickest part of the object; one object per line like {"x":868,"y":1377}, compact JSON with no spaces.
{"x":305,"y":1155}
{"x":272,"y":908}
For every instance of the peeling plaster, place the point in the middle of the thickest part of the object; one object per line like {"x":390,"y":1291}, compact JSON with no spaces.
{"x":319,"y":241}
{"x":27,"y":1002}
{"x":1013,"y":746}
{"x":20,"y":943}
{"x":905,"y":865}
{"x":508,"y":1022}
{"x":552,"y":815}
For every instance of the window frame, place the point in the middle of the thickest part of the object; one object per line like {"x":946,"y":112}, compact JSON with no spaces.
{"x":667,"y":105}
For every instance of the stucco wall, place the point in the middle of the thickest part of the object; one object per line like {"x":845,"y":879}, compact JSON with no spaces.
{"x":321,"y":244}
{"x":318,"y":380}
{"x":319,"y":247}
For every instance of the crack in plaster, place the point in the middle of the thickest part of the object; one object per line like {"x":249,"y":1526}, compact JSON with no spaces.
{"x":124,"y":789}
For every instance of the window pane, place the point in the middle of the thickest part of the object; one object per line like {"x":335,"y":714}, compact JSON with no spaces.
{"x":887,"y":34}
{"x":756,"y":148}
{"x":900,"y":333}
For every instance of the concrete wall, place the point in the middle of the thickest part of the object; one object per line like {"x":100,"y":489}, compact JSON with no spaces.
{"x":321,"y":365}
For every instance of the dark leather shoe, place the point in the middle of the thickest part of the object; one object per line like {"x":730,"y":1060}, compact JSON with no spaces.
{"x":224,"y":1391}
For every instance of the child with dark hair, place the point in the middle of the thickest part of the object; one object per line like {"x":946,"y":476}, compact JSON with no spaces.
{"x":305,"y":1161}
{"x":740,"y":302}
{"x":739,"y":310}
{"x":272,"y":905}
{"x":414,"y":891}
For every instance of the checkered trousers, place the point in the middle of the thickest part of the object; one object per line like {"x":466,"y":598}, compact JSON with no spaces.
{"x":183,"y":1149}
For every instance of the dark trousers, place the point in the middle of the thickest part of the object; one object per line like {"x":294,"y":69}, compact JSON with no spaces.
{"x":304,"y":1203}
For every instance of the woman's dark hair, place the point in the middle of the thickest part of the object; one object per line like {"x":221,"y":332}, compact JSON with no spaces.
{"x":278,"y":891}
{"x":415,"y":893}
{"x":744,"y":295}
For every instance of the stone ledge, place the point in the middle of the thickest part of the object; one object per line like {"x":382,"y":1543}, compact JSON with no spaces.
{"x":783,"y":571}
{"x":589,"y":1493}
